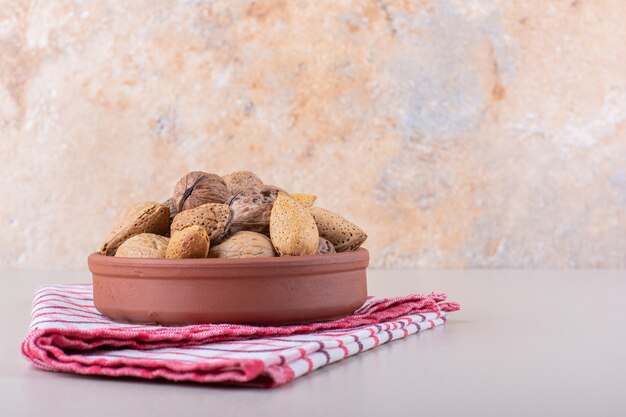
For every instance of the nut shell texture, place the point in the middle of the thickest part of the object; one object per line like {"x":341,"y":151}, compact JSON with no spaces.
{"x":215,"y":218}
{"x":342,"y":233}
{"x":144,"y":217}
{"x":292,"y":228}
{"x":252,"y":208}
{"x":190,"y":242}
{"x":307,"y":200}
{"x":198,"y":188}
{"x":325,"y":247}
{"x":241,"y":180}
{"x":244,"y":245}
{"x":143,"y":245}
{"x":169,"y":203}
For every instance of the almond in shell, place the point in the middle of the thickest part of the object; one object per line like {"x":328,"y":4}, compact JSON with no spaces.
{"x":190,"y":242}
{"x":143,"y":245}
{"x":307,"y":200}
{"x":144,"y":217}
{"x":244,"y":245}
{"x":292,"y":228}
{"x":215,"y":218}
{"x":342,"y":233}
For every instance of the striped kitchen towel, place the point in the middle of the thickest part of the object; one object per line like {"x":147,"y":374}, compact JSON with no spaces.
{"x":67,"y":334}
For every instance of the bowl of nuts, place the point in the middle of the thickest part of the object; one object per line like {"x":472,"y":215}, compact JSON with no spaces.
{"x":230,"y":249}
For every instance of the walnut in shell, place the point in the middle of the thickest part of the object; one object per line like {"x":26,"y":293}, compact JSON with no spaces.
{"x":252,"y":208}
{"x":307,"y":200}
{"x":169,"y":203}
{"x":325,"y":247}
{"x":215,"y":218}
{"x":143,"y":245}
{"x":190,"y":242}
{"x":342,"y":233}
{"x":144,"y":217}
{"x":198,"y":188}
{"x":292,"y":228}
{"x":241,"y":180}
{"x":244,"y":245}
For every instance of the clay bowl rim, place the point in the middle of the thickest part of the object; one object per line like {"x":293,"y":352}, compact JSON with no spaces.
{"x":352,"y":257}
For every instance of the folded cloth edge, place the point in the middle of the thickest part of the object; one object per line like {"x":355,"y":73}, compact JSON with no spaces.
{"x":42,"y":343}
{"x":374,"y":311}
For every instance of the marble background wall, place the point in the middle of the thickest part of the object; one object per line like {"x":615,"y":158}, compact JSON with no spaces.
{"x":458,"y":133}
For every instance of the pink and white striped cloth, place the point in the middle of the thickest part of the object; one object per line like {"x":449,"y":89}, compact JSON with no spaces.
{"x":67,"y":334}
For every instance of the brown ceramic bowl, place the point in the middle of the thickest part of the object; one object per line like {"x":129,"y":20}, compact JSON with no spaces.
{"x":262,"y":291}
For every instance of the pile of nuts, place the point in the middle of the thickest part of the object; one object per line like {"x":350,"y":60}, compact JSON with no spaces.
{"x":233,"y":216}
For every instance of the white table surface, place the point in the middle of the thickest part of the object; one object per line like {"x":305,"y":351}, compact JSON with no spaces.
{"x":526,"y":343}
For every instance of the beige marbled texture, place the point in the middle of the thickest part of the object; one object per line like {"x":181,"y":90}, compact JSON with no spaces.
{"x":456,"y":133}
